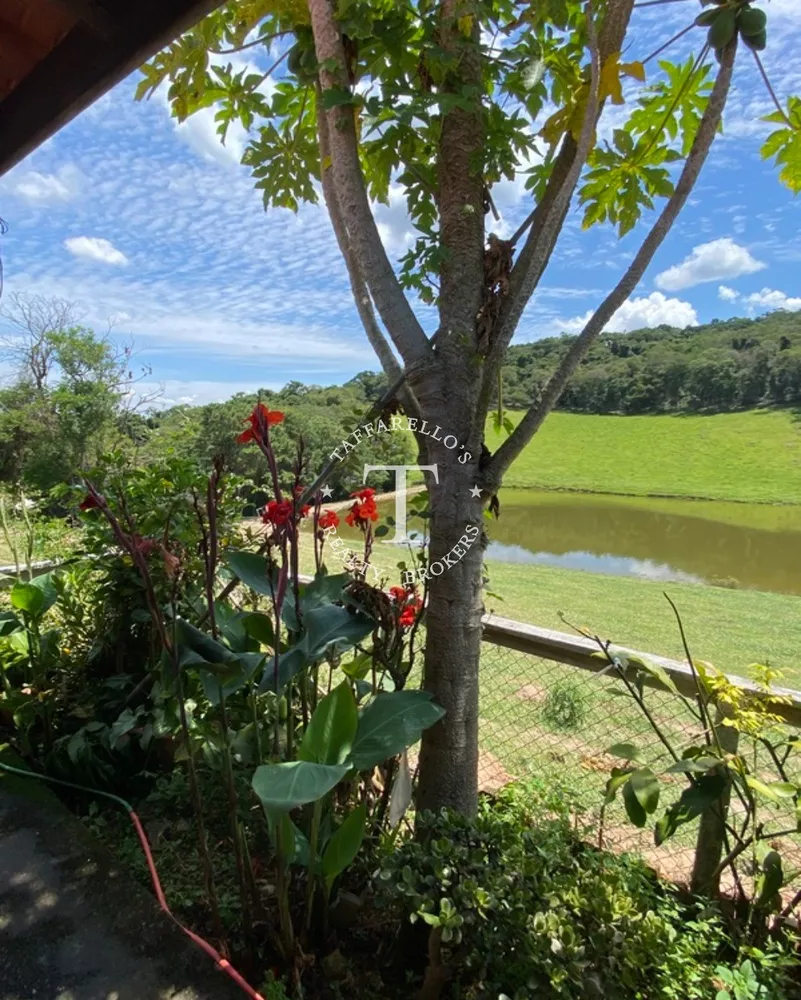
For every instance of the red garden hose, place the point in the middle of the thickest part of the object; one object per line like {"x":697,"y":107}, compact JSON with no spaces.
{"x":221,"y":962}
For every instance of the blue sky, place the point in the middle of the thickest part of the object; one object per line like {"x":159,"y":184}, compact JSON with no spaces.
{"x":157,"y":228}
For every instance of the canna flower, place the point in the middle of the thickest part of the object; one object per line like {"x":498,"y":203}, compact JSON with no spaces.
{"x":278,"y":513}
{"x":329,"y":519}
{"x":260,"y":418}
{"x":363,"y":510}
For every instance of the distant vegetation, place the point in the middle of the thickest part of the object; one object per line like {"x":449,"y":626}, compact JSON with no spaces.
{"x":725,"y":365}
{"x":68,"y":402}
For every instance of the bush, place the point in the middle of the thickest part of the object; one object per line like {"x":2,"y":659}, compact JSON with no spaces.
{"x":519,"y":906}
{"x":565,"y":705}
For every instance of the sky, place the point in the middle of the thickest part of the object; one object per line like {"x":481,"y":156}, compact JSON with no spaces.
{"x":156,"y":229}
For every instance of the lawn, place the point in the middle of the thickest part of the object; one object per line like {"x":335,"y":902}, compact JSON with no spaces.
{"x":730,"y":628}
{"x":755,"y":455}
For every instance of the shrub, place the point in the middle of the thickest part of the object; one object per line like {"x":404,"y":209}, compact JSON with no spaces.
{"x":565,"y":705}
{"x":519,"y":906}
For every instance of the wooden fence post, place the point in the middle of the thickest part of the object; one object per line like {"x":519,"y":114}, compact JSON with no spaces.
{"x":711,"y":830}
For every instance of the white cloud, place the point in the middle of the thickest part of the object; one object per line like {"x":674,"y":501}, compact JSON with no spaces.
{"x":95,"y":248}
{"x":393,"y":222}
{"x":728,"y":294}
{"x":174,"y":392}
{"x":200,"y":133}
{"x":41,"y":189}
{"x":713,"y":261}
{"x":769,"y":298}
{"x":636,"y":314}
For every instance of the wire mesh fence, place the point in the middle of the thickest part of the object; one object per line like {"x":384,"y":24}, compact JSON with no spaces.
{"x":555,"y":722}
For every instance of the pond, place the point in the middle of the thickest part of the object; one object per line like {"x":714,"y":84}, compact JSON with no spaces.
{"x":742,"y":545}
{"x":728,"y":544}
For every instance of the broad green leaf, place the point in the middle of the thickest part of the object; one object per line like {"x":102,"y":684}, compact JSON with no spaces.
{"x":390,"y":723}
{"x":694,"y":800}
{"x":774,"y":790}
{"x":344,"y":844}
{"x":331,"y":730}
{"x":8,"y":623}
{"x":288,"y":785}
{"x":634,"y":809}
{"x":253,"y":570}
{"x":698,"y":765}
{"x":645,"y":786}
{"x":28,"y":598}
{"x":628,"y":751}
{"x":771,"y":880}
{"x":618,"y":777}
{"x":199,"y":647}
{"x":259,"y":627}
{"x":324,"y":627}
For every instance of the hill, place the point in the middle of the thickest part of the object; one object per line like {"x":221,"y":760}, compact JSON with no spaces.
{"x":752,"y":456}
{"x":722,"y":366}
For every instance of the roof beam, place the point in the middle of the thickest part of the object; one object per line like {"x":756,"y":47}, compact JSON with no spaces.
{"x":91,"y":13}
{"x":82,"y":68}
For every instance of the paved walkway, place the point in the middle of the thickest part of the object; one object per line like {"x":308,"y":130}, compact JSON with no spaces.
{"x":72,"y":927}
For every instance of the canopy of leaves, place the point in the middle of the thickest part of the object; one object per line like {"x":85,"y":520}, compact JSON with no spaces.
{"x":533,"y":91}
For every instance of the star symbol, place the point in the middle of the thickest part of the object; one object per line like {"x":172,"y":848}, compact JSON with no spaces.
{"x":327,"y":492}
{"x":475,"y":492}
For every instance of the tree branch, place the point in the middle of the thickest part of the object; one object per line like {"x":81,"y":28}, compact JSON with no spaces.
{"x":354,"y":205}
{"x":702,"y":143}
{"x":358,"y":286}
{"x":548,"y":218}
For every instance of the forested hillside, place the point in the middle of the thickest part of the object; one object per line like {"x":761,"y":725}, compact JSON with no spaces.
{"x":724,"y":365}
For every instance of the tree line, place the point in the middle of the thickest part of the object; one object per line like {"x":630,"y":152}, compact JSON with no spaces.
{"x":73,"y":396}
{"x":723,"y":365}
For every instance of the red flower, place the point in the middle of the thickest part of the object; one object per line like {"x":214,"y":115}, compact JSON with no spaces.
{"x":278,"y":513}
{"x":363,"y":510}
{"x":90,"y":502}
{"x":408,"y":615}
{"x":329,"y":519}
{"x":304,"y":510}
{"x":409,"y":605}
{"x":260,"y":418}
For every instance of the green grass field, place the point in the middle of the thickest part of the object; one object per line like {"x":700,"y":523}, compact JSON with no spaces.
{"x":730,"y":628}
{"x":755,"y":455}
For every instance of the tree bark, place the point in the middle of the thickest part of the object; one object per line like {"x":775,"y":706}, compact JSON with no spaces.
{"x":449,"y":753}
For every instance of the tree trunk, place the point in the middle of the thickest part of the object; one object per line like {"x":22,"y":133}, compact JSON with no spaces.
{"x":449,"y":754}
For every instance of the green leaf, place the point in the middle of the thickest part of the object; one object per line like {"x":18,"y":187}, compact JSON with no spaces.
{"x":288,"y":785}
{"x":334,"y":97}
{"x":769,"y":883}
{"x":200,"y":647}
{"x":774,"y":790}
{"x":332,"y":728}
{"x":344,"y":844}
{"x":618,"y":777}
{"x":694,"y":800}
{"x":634,"y":809}
{"x":390,"y":723}
{"x":28,"y":598}
{"x":324,"y":627}
{"x":645,"y":786}
{"x":8,"y":623}
{"x":253,"y":570}
{"x":259,"y":627}
{"x":628,"y":751}
{"x":698,"y":765}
